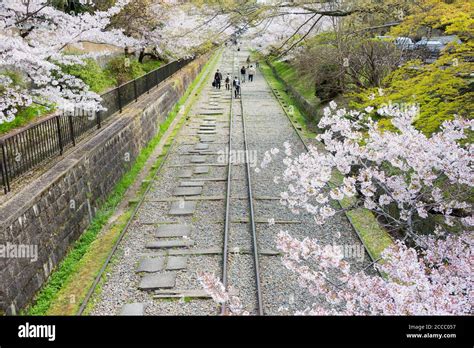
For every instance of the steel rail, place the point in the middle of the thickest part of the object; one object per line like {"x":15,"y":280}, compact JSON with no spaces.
{"x":228,"y":193}
{"x":252,"y":215}
{"x":251,"y":205}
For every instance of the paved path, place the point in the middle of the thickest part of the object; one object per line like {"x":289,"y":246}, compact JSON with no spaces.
{"x":179,"y":229}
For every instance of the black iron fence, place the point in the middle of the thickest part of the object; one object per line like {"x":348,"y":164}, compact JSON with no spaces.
{"x":22,"y":151}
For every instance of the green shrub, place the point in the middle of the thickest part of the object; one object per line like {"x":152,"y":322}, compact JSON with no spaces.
{"x":117,"y":67}
{"x":150,"y":65}
{"x":98,"y":79}
{"x":441,"y":90}
{"x":291,"y":75}
{"x":23,"y":117}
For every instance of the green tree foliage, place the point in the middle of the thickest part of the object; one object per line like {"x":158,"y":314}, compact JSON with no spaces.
{"x":449,"y":16}
{"x":97,"y":78}
{"x":117,"y":71}
{"x":124,"y":69}
{"x":337,"y":64}
{"x":442,"y":89}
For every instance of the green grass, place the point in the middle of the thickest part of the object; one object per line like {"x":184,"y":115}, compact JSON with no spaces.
{"x":25,"y":116}
{"x":297,"y":115}
{"x":85,"y":257}
{"x":150,"y":65}
{"x":375,"y":238}
{"x":289,"y":74}
{"x":98,"y":79}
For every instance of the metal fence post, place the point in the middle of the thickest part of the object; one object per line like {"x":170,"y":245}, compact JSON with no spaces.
{"x":135,"y":89}
{"x":71,"y":130}
{"x":5,"y":179}
{"x":98,"y":119}
{"x":119,"y":99}
{"x":60,"y":141}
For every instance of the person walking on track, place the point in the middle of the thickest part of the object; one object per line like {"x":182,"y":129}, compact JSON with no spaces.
{"x":242,"y":73}
{"x":236,"y":84}
{"x":251,"y":72}
{"x":217,"y":79}
{"x":227,"y":82}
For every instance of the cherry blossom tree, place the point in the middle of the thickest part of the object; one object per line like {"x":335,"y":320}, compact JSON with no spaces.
{"x":404,"y":177}
{"x":434,"y":281}
{"x":187,"y":27}
{"x":286,"y":24}
{"x":33,"y":36}
{"x":143,"y":20}
{"x":277,"y":31}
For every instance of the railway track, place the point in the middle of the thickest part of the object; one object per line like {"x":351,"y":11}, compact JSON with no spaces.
{"x":237,"y":102}
{"x":227,"y":246}
{"x":226,"y":228}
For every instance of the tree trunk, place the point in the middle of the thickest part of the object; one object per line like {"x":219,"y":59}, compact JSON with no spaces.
{"x":141,"y":56}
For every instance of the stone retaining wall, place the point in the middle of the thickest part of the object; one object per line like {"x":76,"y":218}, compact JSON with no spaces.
{"x":49,"y":214}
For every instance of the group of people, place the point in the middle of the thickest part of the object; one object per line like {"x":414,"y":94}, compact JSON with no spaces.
{"x":244,"y":71}
{"x":249,"y":70}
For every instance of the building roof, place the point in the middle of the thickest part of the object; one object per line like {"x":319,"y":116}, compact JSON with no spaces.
{"x":445,"y":39}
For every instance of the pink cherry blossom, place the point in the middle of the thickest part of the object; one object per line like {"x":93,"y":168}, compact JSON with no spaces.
{"x":402,"y":168}
{"x":434,"y":281}
{"x":33,"y":35}
{"x":213,"y":286}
